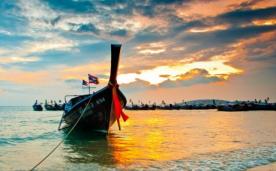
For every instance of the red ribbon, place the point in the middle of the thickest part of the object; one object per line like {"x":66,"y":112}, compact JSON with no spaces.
{"x":117,"y":107}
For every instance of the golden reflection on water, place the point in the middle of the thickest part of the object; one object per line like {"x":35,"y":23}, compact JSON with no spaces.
{"x":167,"y":135}
{"x":147,"y":144}
{"x":160,"y":137}
{"x":226,"y":131}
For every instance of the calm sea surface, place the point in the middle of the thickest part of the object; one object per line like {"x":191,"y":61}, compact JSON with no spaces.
{"x":149,"y":140}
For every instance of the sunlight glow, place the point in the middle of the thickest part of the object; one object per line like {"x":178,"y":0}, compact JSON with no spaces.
{"x":149,"y":51}
{"x":160,"y":74}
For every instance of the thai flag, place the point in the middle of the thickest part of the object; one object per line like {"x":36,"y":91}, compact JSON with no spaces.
{"x":85,"y":83}
{"x":93,"y":79}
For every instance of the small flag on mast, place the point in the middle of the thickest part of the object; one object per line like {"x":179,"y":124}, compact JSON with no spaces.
{"x":85,"y":83}
{"x":93,"y":79}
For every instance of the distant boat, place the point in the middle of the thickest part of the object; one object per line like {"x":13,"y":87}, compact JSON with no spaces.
{"x":37,"y":107}
{"x":247,"y":106}
{"x":98,"y":110}
{"x":53,"y":106}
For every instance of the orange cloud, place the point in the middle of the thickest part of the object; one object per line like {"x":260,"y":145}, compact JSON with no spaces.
{"x":261,"y":39}
{"x":140,"y":22}
{"x":198,"y":9}
{"x":192,"y":73}
{"x":152,"y":48}
{"x":81,"y":71}
{"x":241,"y":52}
{"x":263,"y":4}
{"x":209,"y":29}
{"x":24,"y":77}
{"x":264,"y":22}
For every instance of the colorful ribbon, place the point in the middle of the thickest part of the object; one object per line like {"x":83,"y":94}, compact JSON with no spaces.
{"x":117,"y":107}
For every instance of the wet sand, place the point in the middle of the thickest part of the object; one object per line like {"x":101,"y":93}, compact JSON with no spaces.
{"x":269,"y":167}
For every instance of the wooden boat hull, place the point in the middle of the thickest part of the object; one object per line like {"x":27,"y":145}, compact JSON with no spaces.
{"x":37,"y":108}
{"x":53,"y":107}
{"x":98,"y":115}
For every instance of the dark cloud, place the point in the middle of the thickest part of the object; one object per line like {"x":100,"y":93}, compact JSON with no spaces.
{"x":152,"y":8}
{"x":55,"y":20}
{"x":262,"y":51}
{"x":270,"y":57}
{"x":190,"y":79}
{"x":143,"y":7}
{"x":222,"y":38}
{"x":71,"y":6}
{"x":86,"y":28}
{"x":167,"y":2}
{"x":193,"y":77}
{"x":217,"y":40}
{"x":234,"y":18}
{"x":148,"y":35}
{"x":121,"y":32}
{"x":114,"y":2}
{"x":238,"y":17}
{"x":165,"y":76}
{"x":146,"y":10}
{"x":137,"y":86}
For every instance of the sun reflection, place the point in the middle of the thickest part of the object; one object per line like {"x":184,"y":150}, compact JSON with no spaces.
{"x":150,"y":138}
{"x":154,"y":137}
{"x":146,"y":145}
{"x":224,"y":140}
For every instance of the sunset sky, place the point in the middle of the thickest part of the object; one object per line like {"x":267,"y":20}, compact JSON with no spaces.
{"x":172,"y":50}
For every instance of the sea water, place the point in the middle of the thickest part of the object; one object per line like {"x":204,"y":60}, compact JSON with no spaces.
{"x":149,"y":140}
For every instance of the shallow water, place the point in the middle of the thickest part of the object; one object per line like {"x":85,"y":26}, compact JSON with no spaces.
{"x":149,"y":140}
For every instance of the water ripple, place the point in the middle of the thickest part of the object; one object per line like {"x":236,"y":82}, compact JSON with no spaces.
{"x":23,"y":139}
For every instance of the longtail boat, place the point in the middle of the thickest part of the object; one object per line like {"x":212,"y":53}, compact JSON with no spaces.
{"x":100,"y":110}
{"x":37,"y":106}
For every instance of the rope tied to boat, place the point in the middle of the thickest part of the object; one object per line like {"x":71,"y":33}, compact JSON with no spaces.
{"x":54,"y":149}
{"x":116,"y":104}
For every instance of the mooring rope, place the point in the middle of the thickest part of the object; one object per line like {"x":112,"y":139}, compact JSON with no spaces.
{"x":54,"y":149}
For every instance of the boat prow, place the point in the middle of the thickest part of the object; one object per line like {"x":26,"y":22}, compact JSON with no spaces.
{"x":95,"y":111}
